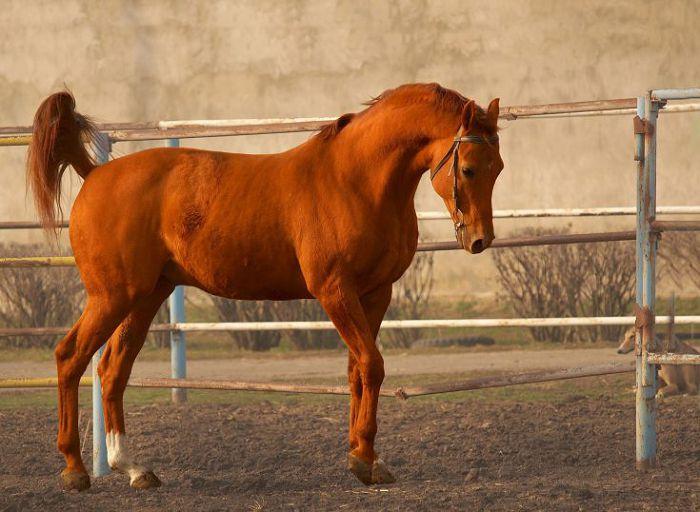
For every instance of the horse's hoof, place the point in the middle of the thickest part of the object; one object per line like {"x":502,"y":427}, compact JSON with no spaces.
{"x":381,"y":474}
{"x":75,"y":481}
{"x":361,"y":469}
{"x":377,"y":473}
{"x":147,"y":480}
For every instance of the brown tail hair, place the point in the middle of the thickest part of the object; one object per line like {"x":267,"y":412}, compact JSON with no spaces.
{"x":57,"y":142}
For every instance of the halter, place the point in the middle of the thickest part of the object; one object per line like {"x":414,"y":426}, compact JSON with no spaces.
{"x":454,"y":150}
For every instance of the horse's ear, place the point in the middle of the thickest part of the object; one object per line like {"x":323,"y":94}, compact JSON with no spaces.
{"x":469,"y":115}
{"x":492,"y":112}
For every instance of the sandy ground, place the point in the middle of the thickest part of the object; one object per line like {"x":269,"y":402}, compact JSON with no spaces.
{"x":260,"y":368}
{"x":568,"y":455}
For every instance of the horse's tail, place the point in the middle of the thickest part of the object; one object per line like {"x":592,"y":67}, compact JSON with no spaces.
{"x":58,"y":137}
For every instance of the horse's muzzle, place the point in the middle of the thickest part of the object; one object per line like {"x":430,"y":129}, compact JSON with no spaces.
{"x":477,"y":244}
{"x":473,"y":244}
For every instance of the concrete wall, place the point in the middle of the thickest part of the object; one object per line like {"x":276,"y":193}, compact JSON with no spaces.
{"x":170,"y":59}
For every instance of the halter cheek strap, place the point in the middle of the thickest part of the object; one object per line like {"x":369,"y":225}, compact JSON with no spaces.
{"x":454,"y":152}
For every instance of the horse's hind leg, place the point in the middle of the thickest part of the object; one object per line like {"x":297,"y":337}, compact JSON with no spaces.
{"x":114,"y":369}
{"x":99,"y":319}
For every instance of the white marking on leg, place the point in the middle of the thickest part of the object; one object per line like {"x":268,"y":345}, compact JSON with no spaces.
{"x":119,"y":458}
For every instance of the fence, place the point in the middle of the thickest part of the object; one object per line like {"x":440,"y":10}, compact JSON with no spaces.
{"x":646,"y":235}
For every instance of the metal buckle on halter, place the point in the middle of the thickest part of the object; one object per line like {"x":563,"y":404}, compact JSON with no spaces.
{"x":459,"y":224}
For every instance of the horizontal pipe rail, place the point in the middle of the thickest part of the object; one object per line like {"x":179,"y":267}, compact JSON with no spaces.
{"x":38,"y":261}
{"x":676,"y":359}
{"x":516,"y":379}
{"x":497,"y":214}
{"x":37,"y":382}
{"x":436,"y":323}
{"x":401,"y":392}
{"x":324,"y":325}
{"x":675,"y":225}
{"x":667,"y":109}
{"x":676,"y":94}
{"x":524,"y":241}
{"x":181,"y":129}
{"x":28,"y":224}
{"x":533,"y":241}
{"x":566,"y":212}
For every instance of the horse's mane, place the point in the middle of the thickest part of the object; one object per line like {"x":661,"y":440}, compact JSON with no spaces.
{"x":445,"y":100}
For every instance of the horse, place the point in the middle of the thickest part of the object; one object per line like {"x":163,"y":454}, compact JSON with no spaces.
{"x":331,"y":219}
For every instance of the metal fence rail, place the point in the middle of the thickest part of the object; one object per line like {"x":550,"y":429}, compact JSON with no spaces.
{"x":497,"y":214}
{"x":646,"y":235}
{"x":325,"y":325}
{"x":401,"y":392}
{"x":181,"y":129}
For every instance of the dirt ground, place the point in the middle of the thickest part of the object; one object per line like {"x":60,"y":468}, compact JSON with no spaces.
{"x":575,"y":452}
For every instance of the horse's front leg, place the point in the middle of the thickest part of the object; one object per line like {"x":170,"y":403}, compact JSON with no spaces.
{"x":357,"y":321}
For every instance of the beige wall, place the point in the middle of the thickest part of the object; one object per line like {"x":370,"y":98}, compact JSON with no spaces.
{"x":160,"y":59}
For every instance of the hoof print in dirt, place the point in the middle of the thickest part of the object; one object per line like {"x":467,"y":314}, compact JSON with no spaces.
{"x":74,"y":481}
{"x":147,"y":480}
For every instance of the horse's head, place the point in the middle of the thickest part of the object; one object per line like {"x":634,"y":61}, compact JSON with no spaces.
{"x":466,"y":184}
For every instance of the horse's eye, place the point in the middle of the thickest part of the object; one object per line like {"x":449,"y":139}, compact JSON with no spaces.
{"x":468,"y":172}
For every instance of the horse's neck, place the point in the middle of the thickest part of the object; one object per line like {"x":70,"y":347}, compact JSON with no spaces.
{"x":391,"y":166}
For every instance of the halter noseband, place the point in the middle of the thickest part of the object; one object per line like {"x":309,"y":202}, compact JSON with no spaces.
{"x":454,"y":151}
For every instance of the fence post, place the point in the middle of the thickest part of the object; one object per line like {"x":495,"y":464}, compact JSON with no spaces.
{"x":100,"y":467}
{"x":646,"y":275}
{"x":178,"y":356}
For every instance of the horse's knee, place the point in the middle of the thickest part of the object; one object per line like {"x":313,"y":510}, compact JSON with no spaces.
{"x":372,"y":370}
{"x":69,"y":370}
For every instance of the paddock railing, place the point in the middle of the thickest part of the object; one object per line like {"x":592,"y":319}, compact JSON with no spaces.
{"x":646,"y":236}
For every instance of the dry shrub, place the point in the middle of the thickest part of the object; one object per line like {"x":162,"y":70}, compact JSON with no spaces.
{"x":306,"y":311}
{"x":266,"y":311}
{"x":247,"y":311}
{"x":594,"y":279}
{"x":37,"y":297}
{"x":160,"y":339}
{"x":679,"y":255}
{"x":410,"y":300}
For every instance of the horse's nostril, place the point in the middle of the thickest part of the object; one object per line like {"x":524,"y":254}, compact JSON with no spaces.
{"x":477,"y":246}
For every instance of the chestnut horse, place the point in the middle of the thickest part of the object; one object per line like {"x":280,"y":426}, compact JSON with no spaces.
{"x":331,"y":219}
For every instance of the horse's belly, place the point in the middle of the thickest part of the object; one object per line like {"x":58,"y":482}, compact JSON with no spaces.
{"x":242,"y":272}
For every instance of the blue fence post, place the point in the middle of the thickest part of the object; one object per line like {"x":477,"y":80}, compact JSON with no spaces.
{"x":99,"y":442}
{"x":646,"y":282}
{"x":178,"y":354}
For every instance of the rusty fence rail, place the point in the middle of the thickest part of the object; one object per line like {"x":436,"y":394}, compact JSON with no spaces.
{"x":451,"y":386}
{"x":181,"y":129}
{"x":445,"y":245}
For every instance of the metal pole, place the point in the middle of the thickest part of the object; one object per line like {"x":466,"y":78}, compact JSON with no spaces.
{"x":646,"y":275}
{"x":100,"y":467}
{"x":178,"y":354}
